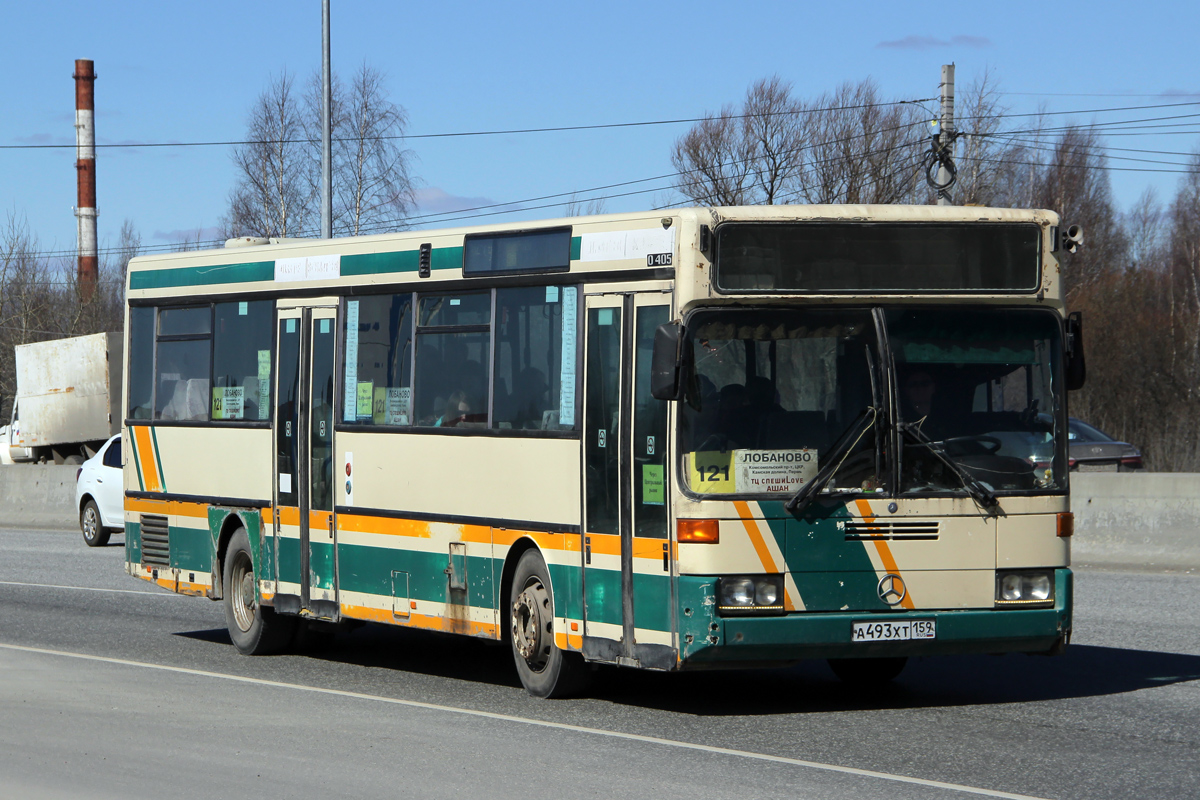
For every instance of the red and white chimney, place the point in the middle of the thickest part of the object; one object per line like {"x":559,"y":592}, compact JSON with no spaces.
{"x":85,"y":165}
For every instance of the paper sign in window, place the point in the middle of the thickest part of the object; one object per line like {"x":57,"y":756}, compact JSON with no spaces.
{"x":366,"y":394}
{"x":229,"y":402}
{"x":653,"y":486}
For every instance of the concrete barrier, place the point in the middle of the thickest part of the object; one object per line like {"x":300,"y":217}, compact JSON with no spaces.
{"x":1146,"y":520}
{"x":1149,"y":520}
{"x":38,"y":496}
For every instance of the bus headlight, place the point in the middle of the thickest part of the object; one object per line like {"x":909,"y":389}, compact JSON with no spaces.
{"x":750,"y":594}
{"x":1025,"y":587}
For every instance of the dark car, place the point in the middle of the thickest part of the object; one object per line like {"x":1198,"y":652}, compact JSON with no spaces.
{"x":1093,"y":450}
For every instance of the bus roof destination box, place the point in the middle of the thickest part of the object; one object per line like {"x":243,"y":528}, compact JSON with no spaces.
{"x":68,"y":396}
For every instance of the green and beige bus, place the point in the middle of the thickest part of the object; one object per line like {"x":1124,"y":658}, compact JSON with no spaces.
{"x":686,"y":439}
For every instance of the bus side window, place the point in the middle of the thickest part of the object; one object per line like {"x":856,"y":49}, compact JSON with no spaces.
{"x":141,"y":362}
{"x":378,"y":342}
{"x":530,"y":324}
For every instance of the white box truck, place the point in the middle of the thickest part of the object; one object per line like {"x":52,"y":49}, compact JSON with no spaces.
{"x":68,"y":398}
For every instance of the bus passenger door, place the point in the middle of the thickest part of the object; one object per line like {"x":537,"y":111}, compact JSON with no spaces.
{"x":304,"y":525}
{"x":627,"y":557}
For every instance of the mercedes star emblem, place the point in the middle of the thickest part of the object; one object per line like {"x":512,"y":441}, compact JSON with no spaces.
{"x":891,"y":589}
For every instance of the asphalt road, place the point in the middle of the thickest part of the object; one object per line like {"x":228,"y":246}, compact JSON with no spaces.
{"x":110,"y":687}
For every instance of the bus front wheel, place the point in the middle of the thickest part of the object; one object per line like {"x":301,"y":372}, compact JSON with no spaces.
{"x":255,"y":629}
{"x":545,"y":670}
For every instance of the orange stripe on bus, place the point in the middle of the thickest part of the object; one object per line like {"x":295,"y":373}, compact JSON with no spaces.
{"x":609,"y":544}
{"x":423,"y":621}
{"x":388,"y":526}
{"x":146,"y":459}
{"x":760,"y":547}
{"x":885,"y":552}
{"x":566,"y":641}
{"x":176,"y":508}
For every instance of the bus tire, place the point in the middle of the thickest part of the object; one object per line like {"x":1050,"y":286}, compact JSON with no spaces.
{"x":867,"y":671}
{"x":94,"y":532}
{"x":545,"y":670}
{"x":254,"y":629}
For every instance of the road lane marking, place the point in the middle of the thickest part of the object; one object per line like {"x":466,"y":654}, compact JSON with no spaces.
{"x":634,"y":737}
{"x":90,"y":589}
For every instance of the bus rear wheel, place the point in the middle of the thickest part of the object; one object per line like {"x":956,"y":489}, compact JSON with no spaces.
{"x":255,"y":629}
{"x":867,"y":671}
{"x":545,"y":670}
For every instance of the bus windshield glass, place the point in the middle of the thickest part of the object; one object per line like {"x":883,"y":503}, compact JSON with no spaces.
{"x":773,"y":392}
{"x":982,"y":388}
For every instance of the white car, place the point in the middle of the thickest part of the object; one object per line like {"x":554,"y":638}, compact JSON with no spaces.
{"x":99,"y":494}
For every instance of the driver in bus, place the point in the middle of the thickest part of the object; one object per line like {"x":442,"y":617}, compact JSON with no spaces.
{"x":917,"y":391}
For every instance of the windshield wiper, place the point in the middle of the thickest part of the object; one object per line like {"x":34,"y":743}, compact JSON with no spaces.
{"x":809,"y":491}
{"x":975,"y":487}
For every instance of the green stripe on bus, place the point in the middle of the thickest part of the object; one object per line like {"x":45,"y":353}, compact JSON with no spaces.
{"x":191,"y":549}
{"x":366,"y":569}
{"x":203,"y":276}
{"x":830,"y":572}
{"x":162,"y":477}
{"x":401,"y":261}
{"x":137,"y":464}
{"x":133,"y":542}
{"x":576,"y":247}
{"x":652,"y":602}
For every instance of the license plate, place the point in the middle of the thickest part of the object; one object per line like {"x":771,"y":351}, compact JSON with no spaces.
{"x":893,"y":631}
{"x":1098,"y":467}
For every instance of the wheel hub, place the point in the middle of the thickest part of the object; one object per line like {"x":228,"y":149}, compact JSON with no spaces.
{"x":532,"y":626}
{"x":244,"y":601}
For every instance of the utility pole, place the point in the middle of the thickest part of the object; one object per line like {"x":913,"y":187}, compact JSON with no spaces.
{"x":326,"y":129}
{"x":946,"y":134}
{"x":85,"y":166}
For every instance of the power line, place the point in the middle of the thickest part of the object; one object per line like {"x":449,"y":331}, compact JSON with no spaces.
{"x":602,"y":126}
{"x":453,"y":134}
{"x":1095,"y":94}
{"x":1082,"y":111}
{"x":1034,"y":145}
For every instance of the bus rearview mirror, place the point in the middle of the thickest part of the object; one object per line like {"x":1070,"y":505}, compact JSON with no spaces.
{"x":667,"y":361}
{"x":1076,"y":365}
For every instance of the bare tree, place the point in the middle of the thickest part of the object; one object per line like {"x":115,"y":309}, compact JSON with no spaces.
{"x":273,"y":194}
{"x":1145,"y":228}
{"x":1074,"y":182}
{"x":860,"y":148}
{"x":715,"y":161}
{"x":373,"y":186}
{"x":848,"y":146}
{"x":996,"y":166}
{"x":25,"y":300}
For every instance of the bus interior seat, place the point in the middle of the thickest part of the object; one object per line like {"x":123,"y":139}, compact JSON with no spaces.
{"x":189,"y":400}
{"x":177,"y":405}
{"x":198,"y":399}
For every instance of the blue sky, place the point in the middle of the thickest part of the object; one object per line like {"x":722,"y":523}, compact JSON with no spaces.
{"x":189,"y":72}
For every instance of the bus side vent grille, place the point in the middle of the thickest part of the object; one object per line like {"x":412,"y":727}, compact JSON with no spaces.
{"x":891,"y":530}
{"x":156,"y":547}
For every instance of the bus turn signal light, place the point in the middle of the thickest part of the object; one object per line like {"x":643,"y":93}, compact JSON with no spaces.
{"x":705,"y":531}
{"x":1066,"y":524}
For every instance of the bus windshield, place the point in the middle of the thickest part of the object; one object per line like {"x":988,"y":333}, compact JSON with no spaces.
{"x":979,"y":387}
{"x":775,"y":393}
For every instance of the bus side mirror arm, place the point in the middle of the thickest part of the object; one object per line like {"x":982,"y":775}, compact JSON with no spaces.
{"x":1076,"y":364}
{"x":668,"y":363}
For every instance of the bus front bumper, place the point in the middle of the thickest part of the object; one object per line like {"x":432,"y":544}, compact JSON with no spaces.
{"x":763,"y":640}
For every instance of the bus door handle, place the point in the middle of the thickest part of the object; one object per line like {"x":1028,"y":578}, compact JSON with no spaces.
{"x":331,"y":526}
